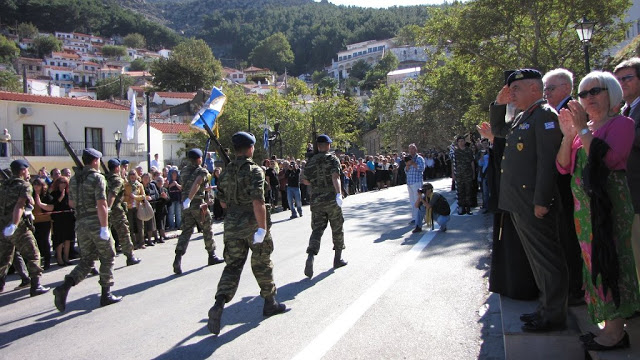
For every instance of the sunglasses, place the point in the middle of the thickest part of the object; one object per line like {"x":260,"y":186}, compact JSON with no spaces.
{"x":593,"y":91}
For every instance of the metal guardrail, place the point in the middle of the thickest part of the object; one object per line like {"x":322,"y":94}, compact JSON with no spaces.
{"x":56,"y":148}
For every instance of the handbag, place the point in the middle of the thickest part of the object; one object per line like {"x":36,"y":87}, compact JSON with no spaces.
{"x":145,"y":211}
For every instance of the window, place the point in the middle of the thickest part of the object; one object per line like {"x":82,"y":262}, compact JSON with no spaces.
{"x":33,"y":140}
{"x":415,"y":51}
{"x":37,"y":68}
{"x":93,"y":138}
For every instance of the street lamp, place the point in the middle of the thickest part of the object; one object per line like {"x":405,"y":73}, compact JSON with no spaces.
{"x":117,"y":136}
{"x":584,"y":28}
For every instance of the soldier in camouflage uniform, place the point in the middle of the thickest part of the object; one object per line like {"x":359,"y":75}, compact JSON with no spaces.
{"x":195,"y":210}
{"x":323,"y":174}
{"x":87,"y":194}
{"x":464,"y":172}
{"x":118,"y":210}
{"x":16,"y":200}
{"x":246,"y":226}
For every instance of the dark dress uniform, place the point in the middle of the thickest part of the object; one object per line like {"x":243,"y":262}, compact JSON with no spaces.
{"x":528,"y":178}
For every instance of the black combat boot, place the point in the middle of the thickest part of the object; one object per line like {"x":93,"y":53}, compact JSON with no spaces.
{"x":337,"y":260}
{"x":107,"y":298}
{"x":176,"y":264}
{"x":2,"y":283}
{"x":214,"y":259}
{"x":272,"y":307}
{"x":215,"y":314}
{"x":60,"y":293}
{"x":308,"y":268}
{"x":132,"y":260}
{"x":36,"y":288}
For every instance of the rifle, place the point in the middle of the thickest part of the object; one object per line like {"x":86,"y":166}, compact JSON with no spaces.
{"x":204,"y":207}
{"x":73,"y":155}
{"x":213,"y":137}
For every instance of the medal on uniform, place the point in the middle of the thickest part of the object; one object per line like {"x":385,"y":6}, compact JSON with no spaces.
{"x":520,"y":145}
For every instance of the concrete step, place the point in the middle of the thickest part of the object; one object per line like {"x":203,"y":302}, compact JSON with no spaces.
{"x":632,"y":328}
{"x":519,"y":345}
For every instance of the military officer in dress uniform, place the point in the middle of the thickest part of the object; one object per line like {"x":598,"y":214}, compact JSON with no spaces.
{"x":118,"y":210}
{"x":195,"y":210}
{"x":246,"y":226}
{"x":323,"y":174}
{"x":16,"y":201}
{"x":88,"y":195}
{"x":528,"y":191}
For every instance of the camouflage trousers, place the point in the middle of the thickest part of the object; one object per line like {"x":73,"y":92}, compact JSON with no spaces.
{"x":236,"y":251}
{"x":190,"y":218}
{"x":120,"y":225}
{"x":93,"y":248}
{"x":321,"y":214}
{"x":24,"y":241}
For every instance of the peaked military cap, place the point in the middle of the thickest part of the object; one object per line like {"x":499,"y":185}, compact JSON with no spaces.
{"x":324,"y":139}
{"x":242,"y":138}
{"x":19,"y":165}
{"x":523,"y":74}
{"x":194,"y":154}
{"x":113,"y":163}
{"x":92,"y":153}
{"x":124,"y":162}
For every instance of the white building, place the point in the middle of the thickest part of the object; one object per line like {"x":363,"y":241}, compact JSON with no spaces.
{"x":172,"y":98}
{"x":85,"y":123}
{"x":369,"y":51}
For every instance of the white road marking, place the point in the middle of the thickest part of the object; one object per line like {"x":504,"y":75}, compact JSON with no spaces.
{"x":336,"y":330}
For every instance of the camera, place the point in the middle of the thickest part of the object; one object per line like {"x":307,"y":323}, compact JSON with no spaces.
{"x":422,"y":191}
{"x":408,"y":158}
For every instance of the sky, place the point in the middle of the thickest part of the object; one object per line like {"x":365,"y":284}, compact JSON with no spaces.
{"x":384,"y":3}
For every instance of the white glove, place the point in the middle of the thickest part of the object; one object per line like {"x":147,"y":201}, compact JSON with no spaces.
{"x":258,"y":236}
{"x":339,"y":199}
{"x":186,"y":203}
{"x":9,"y":230}
{"x":104,"y":233}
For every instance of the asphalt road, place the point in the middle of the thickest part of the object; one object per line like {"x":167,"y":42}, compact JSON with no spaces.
{"x":402,"y":296}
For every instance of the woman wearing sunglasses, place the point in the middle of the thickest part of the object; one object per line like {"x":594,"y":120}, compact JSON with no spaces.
{"x":597,"y":142}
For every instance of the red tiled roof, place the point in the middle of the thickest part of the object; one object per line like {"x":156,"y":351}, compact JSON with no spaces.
{"x":254,"y":69}
{"x":24,"y":59}
{"x":172,"y":128}
{"x":177,"y":95}
{"x":9,"y":96}
{"x":65,"y":55}
{"x":137,"y":73}
{"x":57,"y":68}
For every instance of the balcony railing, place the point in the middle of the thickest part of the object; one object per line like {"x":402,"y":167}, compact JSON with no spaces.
{"x":56,"y":148}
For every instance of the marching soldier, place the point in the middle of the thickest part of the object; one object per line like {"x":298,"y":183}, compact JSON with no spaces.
{"x":195,"y":210}
{"x":246,"y":226}
{"x":118,"y":210}
{"x":16,"y":201}
{"x":323,"y":174}
{"x":87,"y":194}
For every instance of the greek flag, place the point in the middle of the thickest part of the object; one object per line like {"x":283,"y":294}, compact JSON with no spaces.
{"x":132,"y":115}
{"x":210,"y":111}
{"x":265,"y":135}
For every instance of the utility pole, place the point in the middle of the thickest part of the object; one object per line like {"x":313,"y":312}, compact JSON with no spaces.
{"x":121,"y":90}
{"x":148,"y":137}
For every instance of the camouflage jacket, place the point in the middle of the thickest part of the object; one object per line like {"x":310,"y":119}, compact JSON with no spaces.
{"x":188,"y":175}
{"x":318,"y":172}
{"x":10,"y":191}
{"x":115,"y":185}
{"x":87,"y":187}
{"x":241,"y":182}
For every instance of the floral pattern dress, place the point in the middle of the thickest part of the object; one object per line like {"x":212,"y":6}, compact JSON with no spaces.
{"x":601,"y":306}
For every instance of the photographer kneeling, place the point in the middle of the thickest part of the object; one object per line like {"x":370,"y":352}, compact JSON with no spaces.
{"x":428,"y":199}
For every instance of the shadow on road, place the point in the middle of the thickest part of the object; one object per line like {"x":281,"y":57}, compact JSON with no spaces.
{"x":246,"y":312}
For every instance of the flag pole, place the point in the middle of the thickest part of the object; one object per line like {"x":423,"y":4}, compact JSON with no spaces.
{"x":148,"y":138}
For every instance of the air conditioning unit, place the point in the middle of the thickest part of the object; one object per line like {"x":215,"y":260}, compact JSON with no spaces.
{"x":24,"y":111}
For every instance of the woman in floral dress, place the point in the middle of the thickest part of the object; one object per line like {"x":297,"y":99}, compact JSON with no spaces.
{"x":593,"y":127}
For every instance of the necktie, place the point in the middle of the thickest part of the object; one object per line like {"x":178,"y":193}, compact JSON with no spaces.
{"x":626,"y":111}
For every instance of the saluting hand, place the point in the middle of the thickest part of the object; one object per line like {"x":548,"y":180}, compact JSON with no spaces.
{"x":503,"y":96}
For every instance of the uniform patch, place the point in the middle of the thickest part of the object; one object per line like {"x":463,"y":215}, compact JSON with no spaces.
{"x":524,"y":126}
{"x":549,"y":125}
